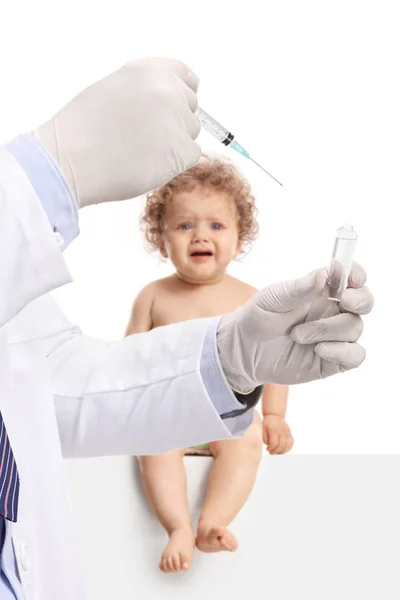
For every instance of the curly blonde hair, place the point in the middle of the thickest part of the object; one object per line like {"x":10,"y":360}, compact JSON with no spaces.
{"x":213,"y":174}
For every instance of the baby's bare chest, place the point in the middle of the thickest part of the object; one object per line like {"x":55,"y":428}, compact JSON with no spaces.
{"x":174,"y":308}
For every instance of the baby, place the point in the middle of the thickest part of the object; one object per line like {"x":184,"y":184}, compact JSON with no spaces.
{"x":201,"y":221}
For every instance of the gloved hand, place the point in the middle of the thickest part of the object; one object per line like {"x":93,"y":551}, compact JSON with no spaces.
{"x":128,"y":133}
{"x":291,"y":333}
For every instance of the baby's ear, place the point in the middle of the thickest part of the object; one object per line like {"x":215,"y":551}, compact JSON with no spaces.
{"x":163,"y":251}
{"x":239,"y":248}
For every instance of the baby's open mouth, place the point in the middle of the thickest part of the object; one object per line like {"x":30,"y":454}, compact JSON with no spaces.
{"x":201,"y":253}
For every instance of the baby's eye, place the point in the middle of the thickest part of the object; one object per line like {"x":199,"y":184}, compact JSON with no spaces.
{"x":185,"y":227}
{"x":216,"y":226}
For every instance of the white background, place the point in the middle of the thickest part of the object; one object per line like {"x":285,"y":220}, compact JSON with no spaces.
{"x":311,"y":90}
{"x":314,"y":528}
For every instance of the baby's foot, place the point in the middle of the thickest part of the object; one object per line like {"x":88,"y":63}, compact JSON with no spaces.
{"x":213,"y":538}
{"x":177,"y":555}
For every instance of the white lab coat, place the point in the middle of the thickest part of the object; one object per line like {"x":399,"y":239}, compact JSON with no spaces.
{"x":143,"y":394}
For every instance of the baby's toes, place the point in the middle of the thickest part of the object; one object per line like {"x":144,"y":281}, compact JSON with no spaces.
{"x":230,"y":541}
{"x":176,"y":561}
{"x":184,"y":562}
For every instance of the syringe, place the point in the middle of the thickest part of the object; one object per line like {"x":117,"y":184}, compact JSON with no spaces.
{"x":342,"y":259}
{"x":223,"y":135}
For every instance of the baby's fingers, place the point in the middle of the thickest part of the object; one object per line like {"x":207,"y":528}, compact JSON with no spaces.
{"x":280,"y":449}
{"x":273,"y":441}
{"x":288,"y":443}
{"x":265,"y":436}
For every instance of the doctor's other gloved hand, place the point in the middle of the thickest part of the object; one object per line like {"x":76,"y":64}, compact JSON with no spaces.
{"x":291,"y":333}
{"x":128,"y":133}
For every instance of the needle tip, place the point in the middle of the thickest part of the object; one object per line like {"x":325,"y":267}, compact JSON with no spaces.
{"x":265,"y":171}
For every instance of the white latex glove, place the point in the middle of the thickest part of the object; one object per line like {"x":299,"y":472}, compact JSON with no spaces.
{"x":128,"y":133}
{"x":290,"y":333}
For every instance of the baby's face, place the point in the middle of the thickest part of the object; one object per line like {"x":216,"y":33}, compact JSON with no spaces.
{"x":200,"y":234}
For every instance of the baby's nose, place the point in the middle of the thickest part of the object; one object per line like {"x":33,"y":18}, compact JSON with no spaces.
{"x":201,"y":234}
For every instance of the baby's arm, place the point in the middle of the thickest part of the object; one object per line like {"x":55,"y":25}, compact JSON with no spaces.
{"x":276,"y":432}
{"x":274,"y":400}
{"x":141,"y":318}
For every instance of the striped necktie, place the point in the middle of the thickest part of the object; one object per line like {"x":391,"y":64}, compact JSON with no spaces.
{"x":9,"y":480}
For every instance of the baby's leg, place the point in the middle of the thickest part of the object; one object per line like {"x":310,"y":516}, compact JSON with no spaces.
{"x":231,"y":480}
{"x":164,"y":481}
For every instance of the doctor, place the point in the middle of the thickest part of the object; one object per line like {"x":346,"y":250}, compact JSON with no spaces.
{"x":63,"y":393}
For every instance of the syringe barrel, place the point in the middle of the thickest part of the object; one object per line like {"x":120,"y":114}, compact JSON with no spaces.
{"x":212,"y":126}
{"x":342,"y":259}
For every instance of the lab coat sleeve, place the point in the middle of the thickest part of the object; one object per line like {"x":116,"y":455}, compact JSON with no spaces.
{"x":145,"y":394}
{"x":50,"y":186}
{"x":32,"y":263}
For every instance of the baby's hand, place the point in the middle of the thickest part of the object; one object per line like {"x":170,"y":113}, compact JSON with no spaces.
{"x":277,"y":435}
